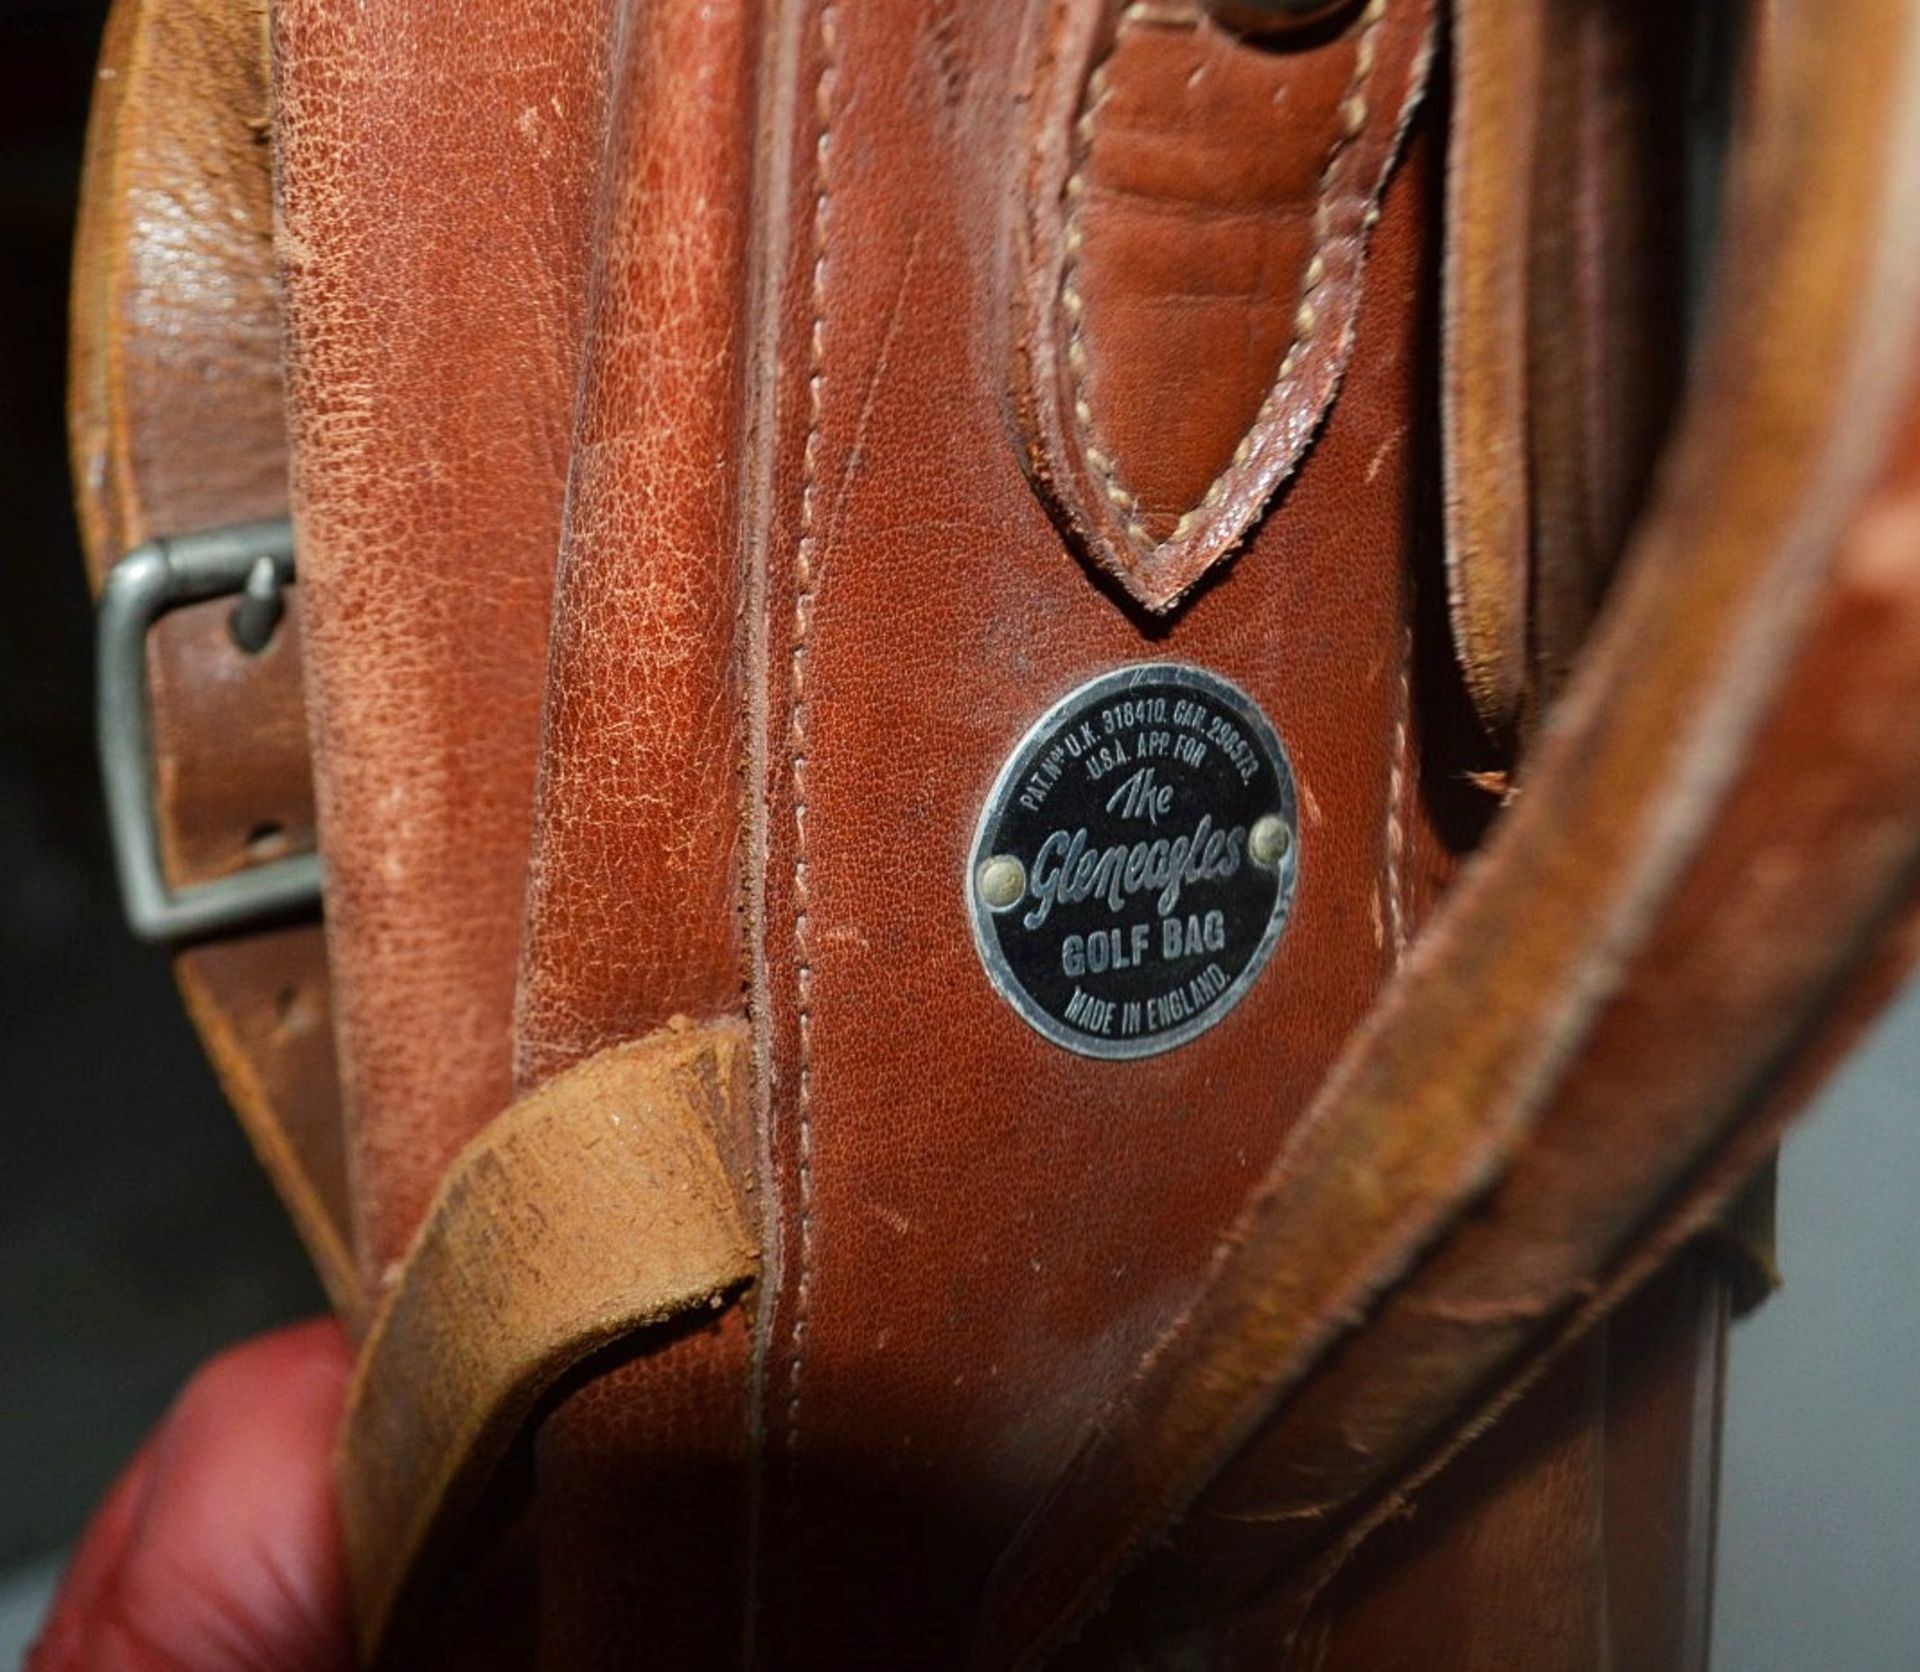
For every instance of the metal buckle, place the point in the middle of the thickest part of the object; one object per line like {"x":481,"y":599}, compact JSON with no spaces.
{"x":254,"y":560}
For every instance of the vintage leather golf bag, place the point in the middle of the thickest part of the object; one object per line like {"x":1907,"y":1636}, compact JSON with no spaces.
{"x":1088,"y":780}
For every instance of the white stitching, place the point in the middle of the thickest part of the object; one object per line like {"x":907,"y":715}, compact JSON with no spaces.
{"x":806,"y":567}
{"x":1353,"y":117}
{"x":1396,"y":843}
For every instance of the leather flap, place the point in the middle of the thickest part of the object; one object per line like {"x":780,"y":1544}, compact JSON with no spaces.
{"x":1195,"y":218}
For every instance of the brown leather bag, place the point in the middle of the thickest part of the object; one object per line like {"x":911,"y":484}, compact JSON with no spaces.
{"x":1082,"y":806}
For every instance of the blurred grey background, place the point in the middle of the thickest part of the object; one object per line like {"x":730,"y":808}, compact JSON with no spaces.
{"x":136,"y":1234}
{"x":1820,"y":1475}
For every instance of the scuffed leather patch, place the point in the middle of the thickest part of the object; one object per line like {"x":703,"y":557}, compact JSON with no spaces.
{"x":1190,"y":238}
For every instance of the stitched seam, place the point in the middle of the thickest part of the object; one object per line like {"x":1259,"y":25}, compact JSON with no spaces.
{"x":1352,"y":111}
{"x":806,"y":567}
{"x":1396,"y":843}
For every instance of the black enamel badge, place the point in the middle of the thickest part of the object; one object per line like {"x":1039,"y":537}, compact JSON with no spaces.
{"x":1136,"y":860}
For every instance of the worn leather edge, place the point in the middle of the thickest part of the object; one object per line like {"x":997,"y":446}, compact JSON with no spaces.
{"x":95,"y":443}
{"x":1440,"y":1089}
{"x":602,"y":1204}
{"x":1483,"y":406}
{"x":1562,"y":317}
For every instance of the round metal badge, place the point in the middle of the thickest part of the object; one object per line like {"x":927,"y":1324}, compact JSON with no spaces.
{"x":1136,"y":859}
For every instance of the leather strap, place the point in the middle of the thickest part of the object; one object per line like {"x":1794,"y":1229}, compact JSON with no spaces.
{"x":601,"y":1205}
{"x":1563,"y":320}
{"x":1613,"y":224}
{"x":177,"y":415}
{"x":1496,"y":54}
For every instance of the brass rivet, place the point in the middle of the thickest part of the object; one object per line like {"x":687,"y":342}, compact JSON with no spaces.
{"x":1002,"y":880}
{"x":1269,"y":840}
{"x":1273,"y":17}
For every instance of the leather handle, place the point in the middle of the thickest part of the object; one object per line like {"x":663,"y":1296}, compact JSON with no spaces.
{"x":602,"y":1204}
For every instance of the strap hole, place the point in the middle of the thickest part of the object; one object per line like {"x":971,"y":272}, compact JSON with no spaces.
{"x":267,"y":841}
{"x":294,"y":1012}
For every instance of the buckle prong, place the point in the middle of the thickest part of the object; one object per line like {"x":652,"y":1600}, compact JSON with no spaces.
{"x":262,"y":603}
